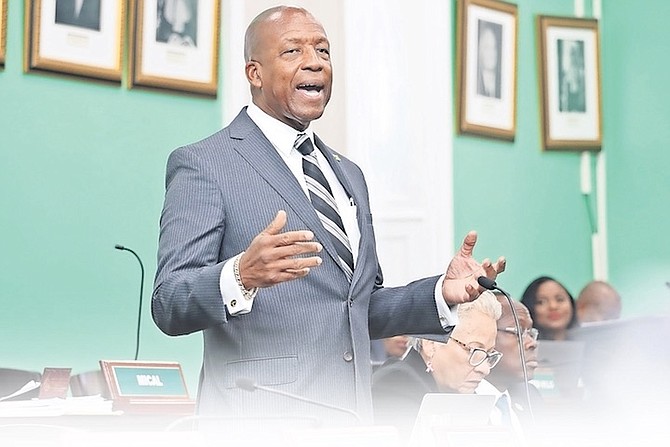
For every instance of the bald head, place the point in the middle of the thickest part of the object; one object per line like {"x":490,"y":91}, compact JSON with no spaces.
{"x":252,"y":38}
{"x":598,"y":301}
{"x":507,"y":319}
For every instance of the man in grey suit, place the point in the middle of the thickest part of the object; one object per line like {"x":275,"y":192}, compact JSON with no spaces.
{"x":245,"y":258}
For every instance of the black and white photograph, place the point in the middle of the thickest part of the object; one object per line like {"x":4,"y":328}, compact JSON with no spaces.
{"x":488,"y":61}
{"x":486,"y":68}
{"x":177,"y":22}
{"x":570,"y":80}
{"x":174,"y":45}
{"x":77,"y":37}
{"x":571,"y":88}
{"x":81,"y":13}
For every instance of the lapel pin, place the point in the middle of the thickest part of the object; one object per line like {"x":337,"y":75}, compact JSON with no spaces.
{"x":337,"y":157}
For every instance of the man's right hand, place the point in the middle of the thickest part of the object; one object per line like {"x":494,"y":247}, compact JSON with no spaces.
{"x":272,"y":257}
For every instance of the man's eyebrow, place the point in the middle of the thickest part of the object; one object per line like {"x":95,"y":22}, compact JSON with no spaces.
{"x":302,"y":40}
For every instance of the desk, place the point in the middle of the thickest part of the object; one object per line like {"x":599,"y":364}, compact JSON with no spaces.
{"x":142,"y":430}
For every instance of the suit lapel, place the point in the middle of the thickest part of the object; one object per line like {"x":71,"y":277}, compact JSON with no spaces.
{"x":258,"y":151}
{"x":335,"y":165}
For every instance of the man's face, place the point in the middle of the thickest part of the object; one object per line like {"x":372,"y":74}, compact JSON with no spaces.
{"x":452,"y":370}
{"x":290,"y":71}
{"x":509,"y":367}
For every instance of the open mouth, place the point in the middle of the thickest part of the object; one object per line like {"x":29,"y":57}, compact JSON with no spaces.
{"x":310,"y":88}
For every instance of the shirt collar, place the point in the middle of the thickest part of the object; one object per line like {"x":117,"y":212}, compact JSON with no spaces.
{"x":487,"y":388}
{"x":281,"y":135}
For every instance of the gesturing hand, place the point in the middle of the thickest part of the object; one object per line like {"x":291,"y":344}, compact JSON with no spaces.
{"x":460,"y":284}
{"x":271,"y":258}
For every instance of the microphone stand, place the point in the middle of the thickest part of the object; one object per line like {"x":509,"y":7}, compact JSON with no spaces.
{"x":251,"y":386}
{"x":489,"y":284}
{"x":139,"y":312}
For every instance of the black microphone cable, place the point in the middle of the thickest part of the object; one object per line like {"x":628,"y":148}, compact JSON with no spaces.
{"x":139,"y":312}
{"x":490,"y":284}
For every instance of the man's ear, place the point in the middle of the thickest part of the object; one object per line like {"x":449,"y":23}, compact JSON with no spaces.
{"x":253,"y":72}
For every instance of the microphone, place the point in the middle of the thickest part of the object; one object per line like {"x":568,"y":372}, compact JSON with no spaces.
{"x":490,"y":284}
{"x":250,"y":385}
{"x":139,"y":312}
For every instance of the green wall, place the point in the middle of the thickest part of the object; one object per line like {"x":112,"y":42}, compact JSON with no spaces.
{"x":636,"y":71}
{"x":82,"y":168}
{"x":527,"y":203}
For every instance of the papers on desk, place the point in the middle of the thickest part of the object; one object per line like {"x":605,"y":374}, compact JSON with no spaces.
{"x":85,"y":405}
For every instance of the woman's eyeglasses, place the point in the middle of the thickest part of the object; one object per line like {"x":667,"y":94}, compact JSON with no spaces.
{"x":479,"y":355}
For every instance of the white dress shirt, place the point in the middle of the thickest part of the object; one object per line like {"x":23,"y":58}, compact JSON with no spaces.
{"x":487,"y":388}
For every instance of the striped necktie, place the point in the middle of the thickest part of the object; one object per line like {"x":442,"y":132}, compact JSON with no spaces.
{"x":324,"y":203}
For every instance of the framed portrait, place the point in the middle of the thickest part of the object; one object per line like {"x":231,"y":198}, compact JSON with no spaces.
{"x":82,"y":38}
{"x":486,"y":68}
{"x":570,"y":83}
{"x":3,"y":31}
{"x":175,"y":45}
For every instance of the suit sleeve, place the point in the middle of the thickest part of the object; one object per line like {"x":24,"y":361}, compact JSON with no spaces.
{"x":405,"y":310}
{"x":187,"y":296}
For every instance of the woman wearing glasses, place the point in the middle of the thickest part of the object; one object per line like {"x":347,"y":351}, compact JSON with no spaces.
{"x":449,"y":363}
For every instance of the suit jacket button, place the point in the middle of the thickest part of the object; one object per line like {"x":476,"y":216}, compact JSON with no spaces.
{"x":348,"y":356}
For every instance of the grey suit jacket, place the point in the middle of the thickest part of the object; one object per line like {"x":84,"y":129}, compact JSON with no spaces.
{"x":309,"y":336}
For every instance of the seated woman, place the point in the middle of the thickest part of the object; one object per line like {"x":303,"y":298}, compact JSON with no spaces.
{"x":449,"y":363}
{"x":551,"y":307}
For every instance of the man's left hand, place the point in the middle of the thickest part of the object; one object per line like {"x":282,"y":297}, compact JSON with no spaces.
{"x":460,"y":284}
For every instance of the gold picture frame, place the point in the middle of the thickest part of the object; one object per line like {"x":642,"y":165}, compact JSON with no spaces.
{"x":569,"y":53}
{"x":3,"y":32}
{"x":87,"y":41}
{"x":486,"y":68}
{"x":173,"y":51}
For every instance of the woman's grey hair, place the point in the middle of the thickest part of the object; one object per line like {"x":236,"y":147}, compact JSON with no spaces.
{"x":487,"y":304}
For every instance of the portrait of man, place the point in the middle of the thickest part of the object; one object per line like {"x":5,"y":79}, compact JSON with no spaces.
{"x":489,"y":45}
{"x":177,"y":22}
{"x":81,"y":13}
{"x":571,"y":87}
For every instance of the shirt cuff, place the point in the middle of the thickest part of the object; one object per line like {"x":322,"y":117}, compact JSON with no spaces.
{"x":448,"y":315}
{"x":236,"y":303}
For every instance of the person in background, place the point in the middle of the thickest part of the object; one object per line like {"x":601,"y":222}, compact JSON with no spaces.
{"x":551,"y":307}
{"x":454,"y":363}
{"x":506,"y":381}
{"x":598,"y":301}
{"x":396,"y":347}
{"x":388,"y":349}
